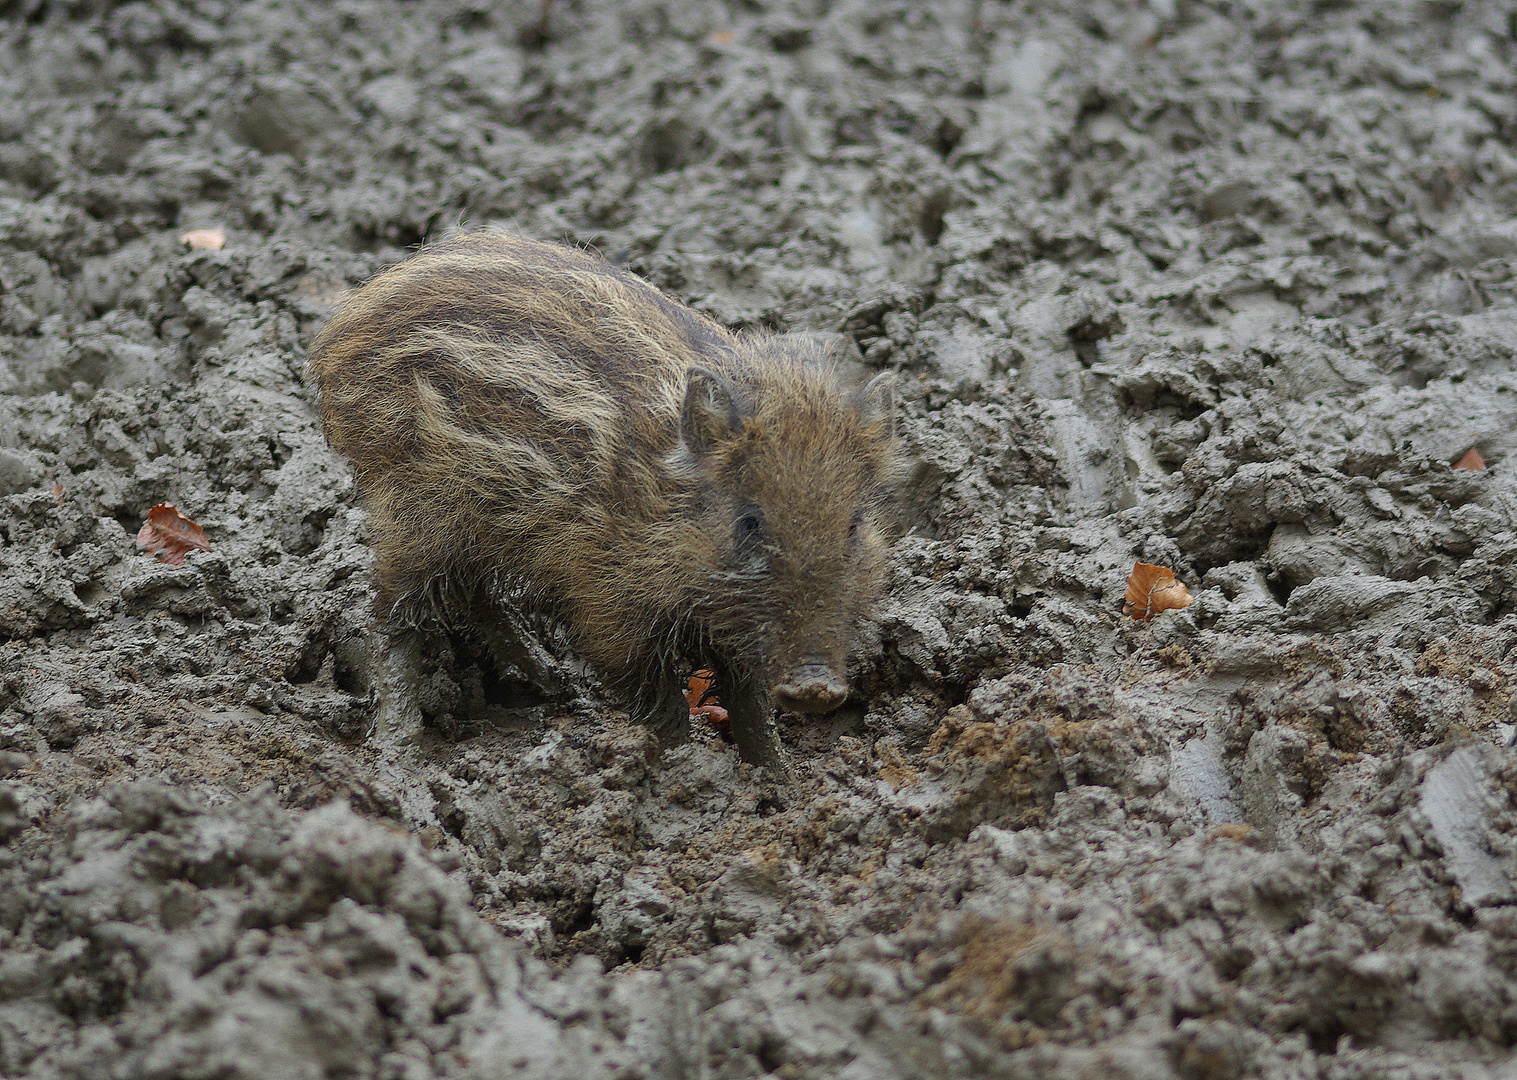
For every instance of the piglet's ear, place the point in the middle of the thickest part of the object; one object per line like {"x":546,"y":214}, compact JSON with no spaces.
{"x":709,"y":414}
{"x":877,"y":400}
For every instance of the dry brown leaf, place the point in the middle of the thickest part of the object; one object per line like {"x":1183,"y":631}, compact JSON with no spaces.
{"x":722,"y":37}
{"x":58,"y":494}
{"x":204,"y":239}
{"x":1471,"y":462}
{"x":700,"y":695}
{"x":170,"y":535}
{"x":1152,"y":589}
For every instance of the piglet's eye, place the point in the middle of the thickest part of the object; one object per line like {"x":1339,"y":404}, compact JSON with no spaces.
{"x":749,"y":526}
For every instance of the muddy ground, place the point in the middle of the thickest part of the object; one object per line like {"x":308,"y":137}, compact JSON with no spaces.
{"x":1223,"y":286}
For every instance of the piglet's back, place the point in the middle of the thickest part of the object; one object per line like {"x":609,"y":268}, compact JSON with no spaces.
{"x":508,"y":408}
{"x":489,"y":335}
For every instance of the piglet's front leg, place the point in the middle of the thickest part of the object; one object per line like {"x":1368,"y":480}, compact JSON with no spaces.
{"x":659,"y":702}
{"x":750,"y":711}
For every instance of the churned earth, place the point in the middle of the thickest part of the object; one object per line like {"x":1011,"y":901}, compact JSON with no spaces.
{"x":1223,"y":286}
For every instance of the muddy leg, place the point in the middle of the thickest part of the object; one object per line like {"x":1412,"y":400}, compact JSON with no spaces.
{"x":518,"y":652}
{"x":751,"y":714}
{"x":394,"y":667}
{"x":660,"y":704}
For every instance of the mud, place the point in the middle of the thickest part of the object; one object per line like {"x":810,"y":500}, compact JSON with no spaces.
{"x":1224,"y":287}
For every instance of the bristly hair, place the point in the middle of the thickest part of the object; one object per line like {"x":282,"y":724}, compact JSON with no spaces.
{"x":519,"y":419}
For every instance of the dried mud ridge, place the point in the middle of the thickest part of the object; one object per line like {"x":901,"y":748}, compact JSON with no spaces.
{"x":1224,"y":288}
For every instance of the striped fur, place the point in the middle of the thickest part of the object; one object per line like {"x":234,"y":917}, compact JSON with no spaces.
{"x":514,"y":412}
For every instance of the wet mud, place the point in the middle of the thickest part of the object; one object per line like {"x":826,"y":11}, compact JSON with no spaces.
{"x":1223,"y":287}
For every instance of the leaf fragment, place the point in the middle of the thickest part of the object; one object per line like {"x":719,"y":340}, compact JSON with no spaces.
{"x":1152,"y":589}
{"x":204,"y":239}
{"x":170,"y":535}
{"x":701,"y":697}
{"x":1471,"y":462}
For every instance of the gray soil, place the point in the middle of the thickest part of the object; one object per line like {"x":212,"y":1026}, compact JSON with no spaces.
{"x":1222,"y":286}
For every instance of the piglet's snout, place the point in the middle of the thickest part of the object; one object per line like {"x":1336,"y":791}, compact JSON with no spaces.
{"x":814,"y":687}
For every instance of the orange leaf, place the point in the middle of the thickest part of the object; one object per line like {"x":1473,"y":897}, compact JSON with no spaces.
{"x":170,"y":535}
{"x":1471,"y":462}
{"x":700,"y":696}
{"x":722,"y":37}
{"x":208,"y":239}
{"x":1152,"y":589}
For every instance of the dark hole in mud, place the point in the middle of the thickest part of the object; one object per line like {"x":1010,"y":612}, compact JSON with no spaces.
{"x":534,"y":34}
{"x":453,"y":822}
{"x":1022,"y":604}
{"x":790,"y":39}
{"x":86,"y":1000}
{"x":1093,"y":104}
{"x":307,"y":664}
{"x":631,"y":952}
{"x":350,"y":667}
{"x":770,"y":1053}
{"x":930,"y":222}
{"x":667,"y":145}
{"x":574,"y":917}
{"x":1183,"y":408}
{"x":1280,"y":587}
{"x":1325,"y":1040}
{"x":1232,"y":962}
{"x":1086,"y":335}
{"x":306,"y":538}
{"x":505,"y":693}
{"x":33,"y":11}
{"x":947,"y":137}
{"x":1412,"y":377}
{"x":130,"y":520}
{"x":1087,"y":352}
{"x":1059,"y":181}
